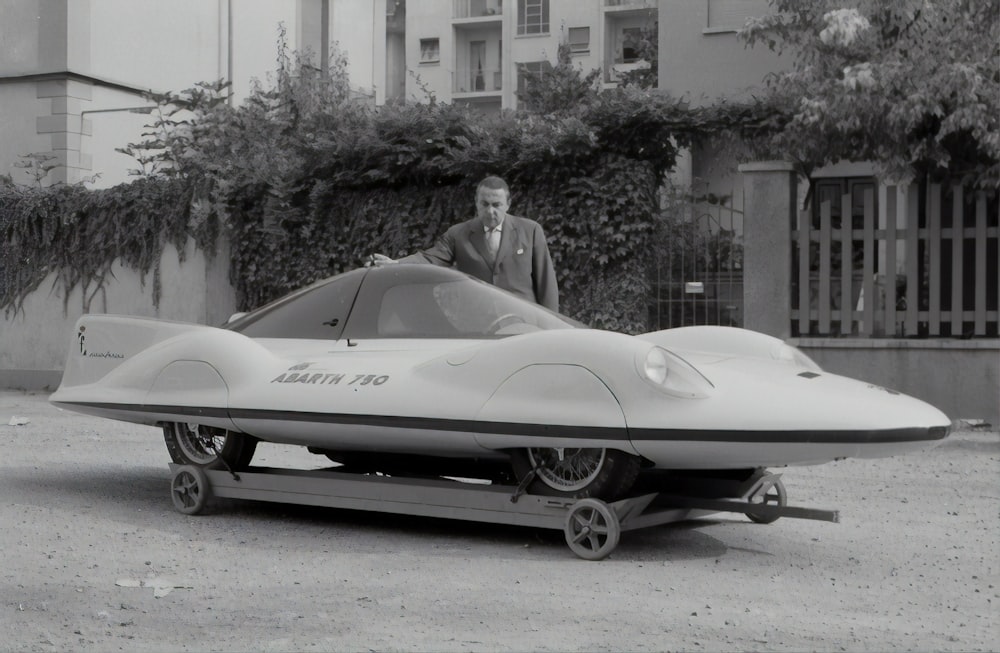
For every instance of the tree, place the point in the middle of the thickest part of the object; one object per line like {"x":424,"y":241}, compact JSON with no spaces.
{"x":913,"y":85}
{"x":561,"y":88}
{"x":648,"y":50}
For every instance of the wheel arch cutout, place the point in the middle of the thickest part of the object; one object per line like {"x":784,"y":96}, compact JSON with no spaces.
{"x":553,"y":405}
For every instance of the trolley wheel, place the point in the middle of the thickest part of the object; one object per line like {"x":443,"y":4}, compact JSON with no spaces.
{"x":189,"y":489}
{"x":592,"y":529}
{"x":770,"y":492}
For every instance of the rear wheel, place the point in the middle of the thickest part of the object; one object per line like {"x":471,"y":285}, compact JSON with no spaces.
{"x":578,"y":473}
{"x":208,"y":446}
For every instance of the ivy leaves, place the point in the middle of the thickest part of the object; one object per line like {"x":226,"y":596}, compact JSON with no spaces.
{"x":304,"y":180}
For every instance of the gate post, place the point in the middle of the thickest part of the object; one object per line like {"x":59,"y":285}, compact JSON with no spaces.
{"x":770,"y":191}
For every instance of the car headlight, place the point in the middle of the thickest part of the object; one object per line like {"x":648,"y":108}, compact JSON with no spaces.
{"x":672,"y":374}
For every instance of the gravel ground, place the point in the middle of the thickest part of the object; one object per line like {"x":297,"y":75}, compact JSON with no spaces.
{"x":96,"y":558}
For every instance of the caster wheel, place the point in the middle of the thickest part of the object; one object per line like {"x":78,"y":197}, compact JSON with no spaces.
{"x":592,"y":529}
{"x":770,"y":491}
{"x":189,"y":489}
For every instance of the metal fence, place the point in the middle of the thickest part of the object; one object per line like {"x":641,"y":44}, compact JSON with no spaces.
{"x":895,"y":261}
{"x":697,"y":275}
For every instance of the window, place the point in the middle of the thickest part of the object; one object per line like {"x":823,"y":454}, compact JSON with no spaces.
{"x":579,"y":40}
{"x":530,"y":70}
{"x":430,"y":50}
{"x":631,"y":38}
{"x":532,"y":17}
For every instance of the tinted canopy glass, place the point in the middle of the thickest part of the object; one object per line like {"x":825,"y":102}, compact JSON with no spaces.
{"x":318,"y":311}
{"x":399,"y":301}
{"x":425,"y":301}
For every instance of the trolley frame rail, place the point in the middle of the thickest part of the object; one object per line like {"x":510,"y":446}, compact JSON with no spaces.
{"x":592,"y":527}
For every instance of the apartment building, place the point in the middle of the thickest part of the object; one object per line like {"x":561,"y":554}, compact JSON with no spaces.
{"x":479,"y":52}
{"x":74,"y":73}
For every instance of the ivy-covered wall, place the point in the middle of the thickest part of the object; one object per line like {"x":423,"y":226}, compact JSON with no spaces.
{"x":302,"y":182}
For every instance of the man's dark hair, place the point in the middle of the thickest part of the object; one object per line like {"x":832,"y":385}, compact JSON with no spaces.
{"x":494,"y":183}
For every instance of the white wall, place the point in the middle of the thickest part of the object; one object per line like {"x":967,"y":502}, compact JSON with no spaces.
{"x":37,"y":339}
{"x":18,"y":107}
{"x":149,"y":44}
{"x":429,"y":19}
{"x":103,"y":132}
{"x":355,"y":26}
{"x":704,"y":63}
{"x":255,"y":40}
{"x":19,"y":34}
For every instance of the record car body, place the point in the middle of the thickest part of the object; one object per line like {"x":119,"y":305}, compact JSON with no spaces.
{"x":423,"y":366}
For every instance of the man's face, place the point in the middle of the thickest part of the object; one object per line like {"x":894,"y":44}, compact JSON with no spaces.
{"x":491,"y":205}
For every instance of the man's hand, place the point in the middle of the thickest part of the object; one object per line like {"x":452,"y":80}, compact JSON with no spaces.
{"x":378,"y":259}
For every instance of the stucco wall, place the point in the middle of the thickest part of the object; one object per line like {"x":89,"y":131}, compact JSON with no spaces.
{"x":34,"y":341}
{"x":183,"y":32}
{"x":685,"y":36}
{"x":111,"y":51}
{"x":19,"y":107}
{"x":769,"y":195}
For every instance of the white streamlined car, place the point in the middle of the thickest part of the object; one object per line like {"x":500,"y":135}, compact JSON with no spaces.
{"x":423,"y":369}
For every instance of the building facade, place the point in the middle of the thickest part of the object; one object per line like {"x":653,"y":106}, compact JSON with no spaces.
{"x":74,"y":75}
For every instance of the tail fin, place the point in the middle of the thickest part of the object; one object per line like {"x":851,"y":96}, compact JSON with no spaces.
{"x":100,"y":343}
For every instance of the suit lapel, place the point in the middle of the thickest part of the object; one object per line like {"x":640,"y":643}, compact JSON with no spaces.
{"x":508,"y":237}
{"x":477,"y":238}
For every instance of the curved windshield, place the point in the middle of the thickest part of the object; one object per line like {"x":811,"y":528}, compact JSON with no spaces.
{"x":445,"y":306}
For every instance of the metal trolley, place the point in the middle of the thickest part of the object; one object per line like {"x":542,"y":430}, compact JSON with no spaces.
{"x":592,"y":527}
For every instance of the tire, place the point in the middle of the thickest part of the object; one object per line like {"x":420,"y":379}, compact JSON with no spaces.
{"x":189,"y":490}
{"x":208,"y":446}
{"x":592,"y":529}
{"x":606,"y":474}
{"x":772,"y":493}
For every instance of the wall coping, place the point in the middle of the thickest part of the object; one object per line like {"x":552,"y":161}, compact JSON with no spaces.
{"x":767,"y":166}
{"x":988,"y":344}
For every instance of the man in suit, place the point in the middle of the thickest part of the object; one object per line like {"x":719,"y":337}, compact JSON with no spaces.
{"x":502,"y":249}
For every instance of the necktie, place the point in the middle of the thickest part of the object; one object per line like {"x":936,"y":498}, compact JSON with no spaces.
{"x":493,"y":241}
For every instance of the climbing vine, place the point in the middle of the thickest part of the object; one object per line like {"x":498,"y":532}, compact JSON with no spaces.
{"x":305,"y":181}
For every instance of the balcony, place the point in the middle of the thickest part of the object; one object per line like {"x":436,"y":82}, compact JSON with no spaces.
{"x":620,"y":69}
{"x":621,"y":9}
{"x":478,"y":82}
{"x":478,"y":9}
{"x":630,"y":4}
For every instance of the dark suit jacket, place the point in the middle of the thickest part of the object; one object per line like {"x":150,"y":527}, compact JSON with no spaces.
{"x":523,"y":265}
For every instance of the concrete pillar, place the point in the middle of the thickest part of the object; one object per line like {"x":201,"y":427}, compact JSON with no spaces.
{"x":769,"y":203}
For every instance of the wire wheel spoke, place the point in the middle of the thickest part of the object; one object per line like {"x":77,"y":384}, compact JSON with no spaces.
{"x":567,"y":469}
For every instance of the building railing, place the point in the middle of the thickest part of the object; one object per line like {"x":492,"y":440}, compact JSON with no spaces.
{"x":485,"y":80}
{"x":477,"y":8}
{"x":918,"y":266}
{"x":649,"y":4}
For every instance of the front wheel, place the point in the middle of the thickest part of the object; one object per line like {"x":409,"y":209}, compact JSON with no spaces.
{"x":606,"y":474}
{"x":208,"y":446}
